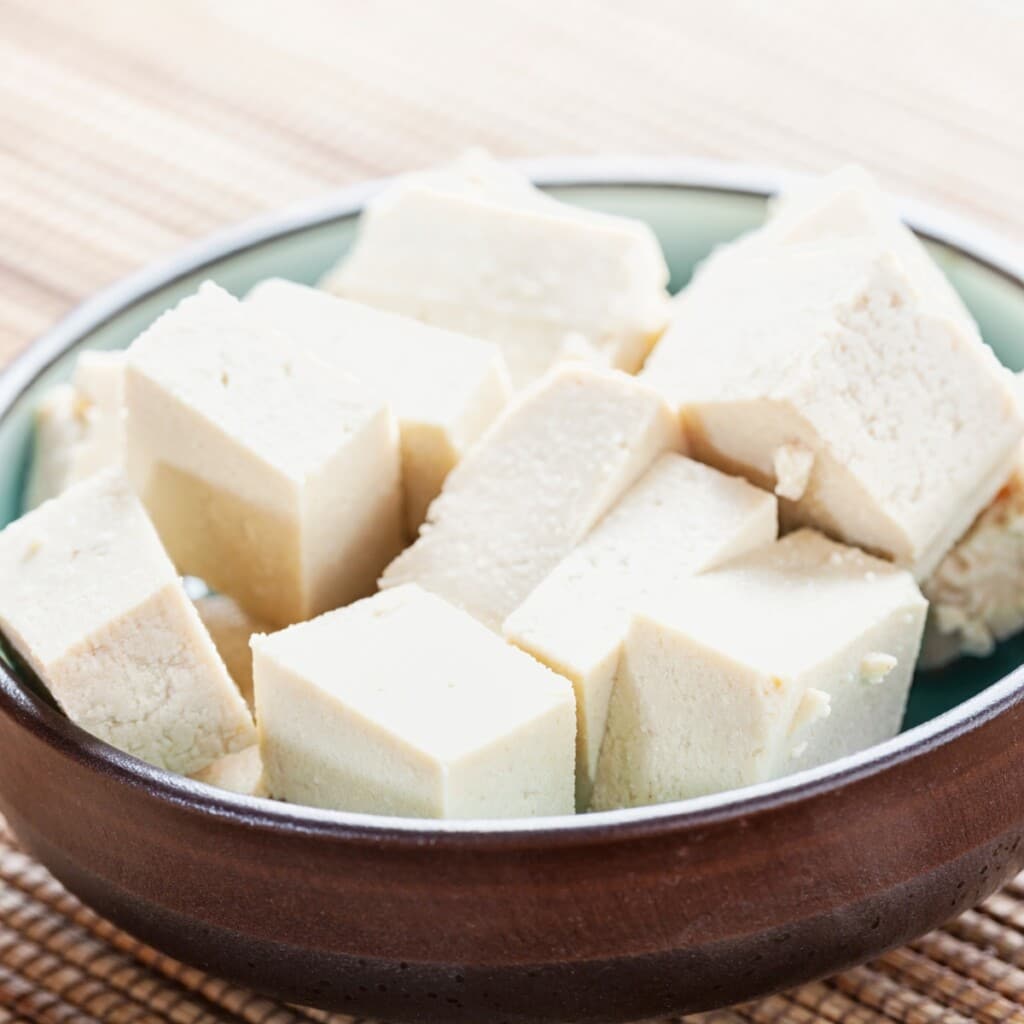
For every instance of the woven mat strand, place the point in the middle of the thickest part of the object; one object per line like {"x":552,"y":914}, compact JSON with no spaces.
{"x":129,"y":128}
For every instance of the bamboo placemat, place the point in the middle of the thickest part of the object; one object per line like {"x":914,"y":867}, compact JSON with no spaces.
{"x":128,"y":128}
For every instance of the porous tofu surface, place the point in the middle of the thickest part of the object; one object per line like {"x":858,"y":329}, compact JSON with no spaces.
{"x":230,"y":627}
{"x":977,"y":591}
{"x":533,"y":487}
{"x":475,"y":248}
{"x":909,"y":422}
{"x":445,"y":388}
{"x":79,"y":427}
{"x":403,"y":704}
{"x":679,"y":518}
{"x":247,"y":449}
{"x":91,"y":603}
{"x":785,"y":658}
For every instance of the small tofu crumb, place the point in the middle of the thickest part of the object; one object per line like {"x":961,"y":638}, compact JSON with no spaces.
{"x":876,"y":666}
{"x":793,"y":463}
{"x":815,"y":706}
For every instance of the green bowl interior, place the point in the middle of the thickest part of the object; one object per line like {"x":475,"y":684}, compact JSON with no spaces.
{"x":688,"y":222}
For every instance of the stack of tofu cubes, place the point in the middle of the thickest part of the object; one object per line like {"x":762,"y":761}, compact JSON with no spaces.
{"x":492,"y":526}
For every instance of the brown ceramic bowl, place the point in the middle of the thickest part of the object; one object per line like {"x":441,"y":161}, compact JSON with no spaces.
{"x":605,"y":917}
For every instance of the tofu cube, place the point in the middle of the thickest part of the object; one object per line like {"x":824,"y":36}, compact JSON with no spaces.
{"x":678,"y":519}
{"x":268,"y":473}
{"x":474,"y":247}
{"x":530,"y":491}
{"x":236,"y":773}
{"x":785,"y":658}
{"x":401,"y":704}
{"x":876,"y":415}
{"x":59,"y":428}
{"x":976,"y":594}
{"x":91,"y":603}
{"x":230,"y":627}
{"x":79,"y":427}
{"x":848,"y":204}
{"x":445,"y":388}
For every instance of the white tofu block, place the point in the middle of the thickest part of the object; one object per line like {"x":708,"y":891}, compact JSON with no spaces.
{"x":401,"y":704}
{"x":473,"y":247}
{"x":230,"y":627}
{"x":875,"y":415}
{"x":59,"y":428}
{"x":268,"y":473}
{"x":848,"y":204}
{"x":976,"y":593}
{"x":237,"y":773}
{"x":445,"y":388}
{"x":79,"y":427}
{"x":680,"y":518}
{"x":786,"y":658}
{"x":92,"y":604}
{"x":530,"y":491}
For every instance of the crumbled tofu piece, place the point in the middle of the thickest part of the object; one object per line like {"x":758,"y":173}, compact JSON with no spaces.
{"x":238,"y":773}
{"x":269,"y":473}
{"x":754,"y":670}
{"x":445,"y":388}
{"x":680,"y":518}
{"x":473,"y":247}
{"x":79,"y":427}
{"x":910,"y":423}
{"x":876,"y":666}
{"x":401,"y":704}
{"x":230,"y":628}
{"x":815,"y":706}
{"x":539,"y":479}
{"x":91,"y":603}
{"x":977,"y":590}
{"x":792,"y":463}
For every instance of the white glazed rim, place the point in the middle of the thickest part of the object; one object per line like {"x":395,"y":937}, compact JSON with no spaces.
{"x":968,"y":239}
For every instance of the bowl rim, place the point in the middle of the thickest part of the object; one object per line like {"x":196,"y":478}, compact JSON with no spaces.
{"x":30,"y":711}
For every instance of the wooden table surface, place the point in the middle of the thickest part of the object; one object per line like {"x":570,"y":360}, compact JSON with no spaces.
{"x":128,"y":128}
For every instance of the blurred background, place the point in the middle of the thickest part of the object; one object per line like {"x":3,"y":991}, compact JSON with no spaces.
{"x":127,"y":127}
